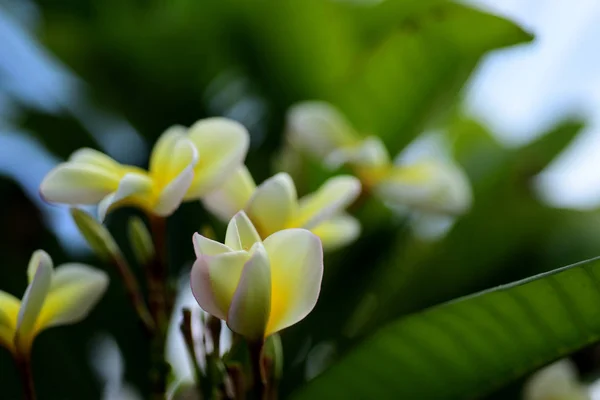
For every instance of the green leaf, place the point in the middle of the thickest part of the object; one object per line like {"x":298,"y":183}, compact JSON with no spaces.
{"x":474,"y":345}
{"x":420,"y":54}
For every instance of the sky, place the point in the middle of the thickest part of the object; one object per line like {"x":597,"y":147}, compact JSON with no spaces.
{"x":519,"y":92}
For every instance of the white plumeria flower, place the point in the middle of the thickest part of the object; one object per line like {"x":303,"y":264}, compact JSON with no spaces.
{"x":54,"y":297}
{"x":185,"y":164}
{"x":557,"y":381}
{"x":428,"y":184}
{"x":258,"y":288}
{"x":274,"y":205}
{"x":319,"y":128}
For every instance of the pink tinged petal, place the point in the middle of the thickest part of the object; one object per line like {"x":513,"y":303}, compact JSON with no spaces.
{"x":34,"y":297}
{"x":232,"y":196}
{"x":337,"y":231}
{"x":133,"y":189}
{"x":202,"y":289}
{"x":296,"y":258}
{"x":273,"y":204}
{"x":208,"y":247}
{"x":222,"y":144}
{"x":241,"y":234}
{"x":331,"y":198}
{"x":75,"y":290}
{"x":75,"y":183}
{"x":249,"y":311}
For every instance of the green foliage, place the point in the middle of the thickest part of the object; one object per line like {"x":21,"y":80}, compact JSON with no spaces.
{"x":470,"y":346}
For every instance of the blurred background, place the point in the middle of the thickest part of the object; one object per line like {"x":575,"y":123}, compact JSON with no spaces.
{"x":511,"y":89}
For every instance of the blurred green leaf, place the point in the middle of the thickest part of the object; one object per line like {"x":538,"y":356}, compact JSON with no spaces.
{"x":420,"y":54}
{"x":471,"y":346}
{"x":503,"y":199}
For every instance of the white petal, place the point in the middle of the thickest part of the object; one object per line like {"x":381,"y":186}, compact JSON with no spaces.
{"x":335,"y":195}
{"x":371,"y":152}
{"x":429,"y":186}
{"x":318,"y":128}
{"x":162,"y":153}
{"x":172,"y":195}
{"x":202,"y":288}
{"x":38,"y":258}
{"x":208,"y":247}
{"x":232,"y":196}
{"x":337,"y":231}
{"x":296,"y":258}
{"x":99,"y":159}
{"x":34,"y":298}
{"x":556,"y":381}
{"x":249,"y":311}
{"x":74,"y":183}
{"x":133,"y":189}
{"x":273,"y":204}
{"x":241,"y":234}
{"x":76,"y":289}
{"x":223,"y":272}
{"x":222,"y":145}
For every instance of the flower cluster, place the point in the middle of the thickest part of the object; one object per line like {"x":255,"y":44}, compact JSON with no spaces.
{"x":185,"y":165}
{"x":266,"y":275}
{"x":429,"y":184}
{"x":274,"y":205}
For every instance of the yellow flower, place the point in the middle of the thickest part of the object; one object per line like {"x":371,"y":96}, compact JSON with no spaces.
{"x":274,"y":205}
{"x":60,"y":297}
{"x":430,"y":185}
{"x":258,"y":288}
{"x":185,"y":164}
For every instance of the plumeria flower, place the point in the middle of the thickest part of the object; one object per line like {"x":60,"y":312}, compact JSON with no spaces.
{"x":54,"y":297}
{"x":557,"y":381}
{"x":257,"y":287}
{"x":427,"y":184}
{"x":319,"y":128}
{"x":274,"y":205}
{"x":185,"y":164}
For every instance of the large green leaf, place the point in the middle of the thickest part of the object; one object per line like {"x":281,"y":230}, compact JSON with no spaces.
{"x":471,"y":346}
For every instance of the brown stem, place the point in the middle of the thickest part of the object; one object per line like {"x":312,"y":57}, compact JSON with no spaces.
{"x":24,"y":366}
{"x":258,"y":373}
{"x":134,"y":293}
{"x":186,"y":330}
{"x":157,"y":301}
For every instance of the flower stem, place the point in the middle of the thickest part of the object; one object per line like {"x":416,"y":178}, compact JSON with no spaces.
{"x":134,"y":293}
{"x":258,"y":373}
{"x":157,"y":301}
{"x":186,"y":330}
{"x":24,"y":366}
